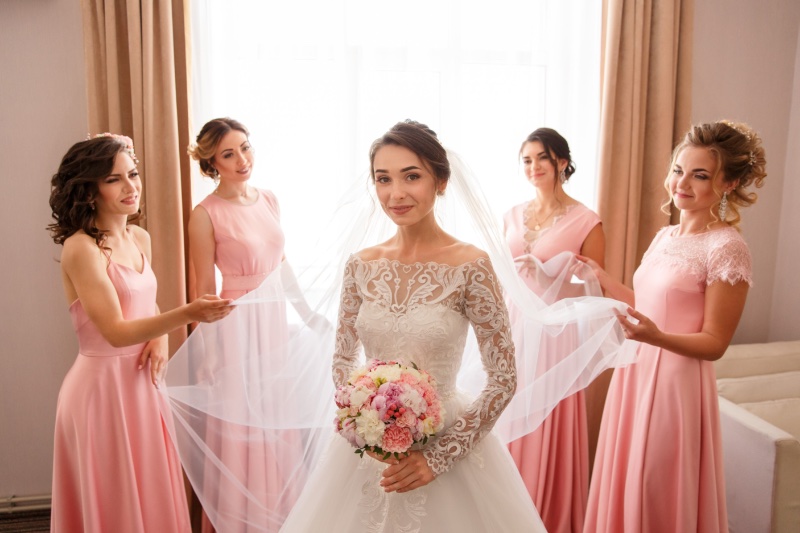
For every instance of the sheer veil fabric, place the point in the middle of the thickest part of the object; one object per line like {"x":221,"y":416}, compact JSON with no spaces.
{"x":263,"y":377}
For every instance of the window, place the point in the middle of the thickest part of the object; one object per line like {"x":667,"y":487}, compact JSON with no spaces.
{"x":316,"y":82}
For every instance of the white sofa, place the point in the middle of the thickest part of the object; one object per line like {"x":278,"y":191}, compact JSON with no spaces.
{"x":759,"y":401}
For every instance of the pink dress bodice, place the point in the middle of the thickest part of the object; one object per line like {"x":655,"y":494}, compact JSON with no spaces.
{"x":566,"y":234}
{"x":137,"y":299}
{"x":671,"y":282}
{"x":249,"y":241}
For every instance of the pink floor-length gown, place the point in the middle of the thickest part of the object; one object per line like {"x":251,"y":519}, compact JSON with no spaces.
{"x":659,"y":459}
{"x":114,"y":466}
{"x":249,"y":246}
{"x":554,"y":459}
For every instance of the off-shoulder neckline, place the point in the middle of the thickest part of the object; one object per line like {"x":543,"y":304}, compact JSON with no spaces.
{"x":419,"y":263}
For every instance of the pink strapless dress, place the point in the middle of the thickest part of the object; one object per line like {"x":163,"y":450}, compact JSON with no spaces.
{"x":554,"y":459}
{"x":114,"y":466}
{"x":659,"y":458}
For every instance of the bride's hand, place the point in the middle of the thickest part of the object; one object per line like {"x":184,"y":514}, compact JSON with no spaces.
{"x":407,"y":473}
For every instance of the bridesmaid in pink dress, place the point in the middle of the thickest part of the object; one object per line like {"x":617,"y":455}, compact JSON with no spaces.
{"x":237,"y":229}
{"x":659,"y":459}
{"x":114,"y":468}
{"x":554,"y":459}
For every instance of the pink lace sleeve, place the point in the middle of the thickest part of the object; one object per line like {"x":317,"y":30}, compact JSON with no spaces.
{"x":730,"y":261}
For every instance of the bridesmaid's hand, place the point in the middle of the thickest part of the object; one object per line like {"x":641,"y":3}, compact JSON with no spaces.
{"x":644,"y":330}
{"x":597,"y":270}
{"x":407,"y":473}
{"x":157,"y":351}
{"x":209,"y":308}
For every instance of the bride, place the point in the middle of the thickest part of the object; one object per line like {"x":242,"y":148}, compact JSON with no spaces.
{"x":411,"y":299}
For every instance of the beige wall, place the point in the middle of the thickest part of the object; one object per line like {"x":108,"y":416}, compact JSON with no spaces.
{"x":785,"y":315}
{"x":745,"y":61}
{"x":42,"y":112}
{"x":746,"y":67}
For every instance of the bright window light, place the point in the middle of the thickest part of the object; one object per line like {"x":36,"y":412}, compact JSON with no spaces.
{"x":316,"y":82}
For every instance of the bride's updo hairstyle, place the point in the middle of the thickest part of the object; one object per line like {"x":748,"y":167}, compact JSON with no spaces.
{"x":205,"y":146}
{"x":555,"y":146}
{"x":740,"y":158}
{"x":421,"y":140}
{"x":74,"y":187}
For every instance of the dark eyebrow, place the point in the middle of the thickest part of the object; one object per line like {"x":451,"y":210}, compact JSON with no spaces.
{"x":406,"y":169}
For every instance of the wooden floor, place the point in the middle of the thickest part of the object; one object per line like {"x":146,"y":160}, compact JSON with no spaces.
{"x":25,"y":521}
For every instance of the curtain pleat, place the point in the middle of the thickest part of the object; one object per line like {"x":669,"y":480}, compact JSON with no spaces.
{"x":645,"y":109}
{"x":138,"y":77}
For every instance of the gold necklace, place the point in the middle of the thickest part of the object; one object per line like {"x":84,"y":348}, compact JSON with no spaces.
{"x":538,"y":224}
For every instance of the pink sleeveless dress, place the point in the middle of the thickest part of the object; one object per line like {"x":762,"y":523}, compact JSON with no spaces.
{"x":554,"y":459}
{"x":114,"y":467}
{"x":249,"y":241}
{"x":249,"y":246}
{"x":659,"y":458}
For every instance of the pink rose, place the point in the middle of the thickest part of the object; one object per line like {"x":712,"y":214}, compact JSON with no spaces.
{"x":396,"y":439}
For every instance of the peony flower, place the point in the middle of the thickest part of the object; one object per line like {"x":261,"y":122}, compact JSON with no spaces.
{"x":396,"y":439}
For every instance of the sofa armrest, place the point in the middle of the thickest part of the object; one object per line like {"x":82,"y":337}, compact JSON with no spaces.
{"x":762,"y":473}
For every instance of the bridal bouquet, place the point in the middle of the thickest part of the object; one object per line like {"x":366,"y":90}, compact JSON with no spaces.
{"x":386,"y":407}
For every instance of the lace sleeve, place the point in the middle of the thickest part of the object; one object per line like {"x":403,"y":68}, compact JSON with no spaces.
{"x":486,"y":310}
{"x":730,"y":261}
{"x":345,"y":356}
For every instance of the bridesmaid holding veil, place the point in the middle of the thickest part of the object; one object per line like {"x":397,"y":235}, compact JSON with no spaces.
{"x":114,"y":467}
{"x":554,"y":459}
{"x":237,"y":229}
{"x":659,"y":457}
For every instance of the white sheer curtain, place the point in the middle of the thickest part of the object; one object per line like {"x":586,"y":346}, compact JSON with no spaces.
{"x":317,"y":81}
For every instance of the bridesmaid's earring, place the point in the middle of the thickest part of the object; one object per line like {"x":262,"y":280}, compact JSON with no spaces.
{"x":723,"y":207}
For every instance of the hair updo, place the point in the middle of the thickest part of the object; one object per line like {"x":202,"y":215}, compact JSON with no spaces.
{"x":205,"y":146}
{"x":421,"y":140}
{"x":555,"y":146}
{"x":74,"y":187}
{"x":740,"y":159}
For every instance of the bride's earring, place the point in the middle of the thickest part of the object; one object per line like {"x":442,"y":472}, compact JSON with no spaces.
{"x":562,"y":177}
{"x":723,"y":207}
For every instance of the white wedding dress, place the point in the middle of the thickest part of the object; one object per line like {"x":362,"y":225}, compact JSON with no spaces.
{"x":420,"y":314}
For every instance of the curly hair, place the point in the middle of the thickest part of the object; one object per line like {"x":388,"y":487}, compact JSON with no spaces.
{"x":418,"y":138}
{"x":740,"y":159}
{"x":204,"y":147}
{"x":74,"y":187}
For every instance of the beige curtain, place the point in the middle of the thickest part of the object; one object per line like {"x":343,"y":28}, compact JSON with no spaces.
{"x":645,"y":108}
{"x":137,"y":72}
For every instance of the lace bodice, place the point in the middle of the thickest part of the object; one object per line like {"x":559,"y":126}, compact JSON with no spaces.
{"x":419,"y":314}
{"x":719,"y":255}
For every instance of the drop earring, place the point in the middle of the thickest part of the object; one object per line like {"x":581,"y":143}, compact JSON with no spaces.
{"x":723,"y":207}
{"x":562,"y":177}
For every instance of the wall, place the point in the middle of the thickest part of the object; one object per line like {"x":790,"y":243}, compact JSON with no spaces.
{"x":746,"y":67}
{"x":42,"y":112}
{"x":785,"y":315}
{"x":745,"y":57}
